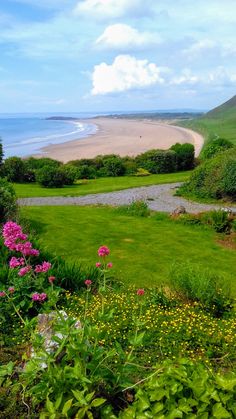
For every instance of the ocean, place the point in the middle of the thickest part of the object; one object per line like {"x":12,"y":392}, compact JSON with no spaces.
{"x":26,"y":134}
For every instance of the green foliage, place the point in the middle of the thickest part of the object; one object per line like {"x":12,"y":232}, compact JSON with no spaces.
{"x":136,"y":208}
{"x":111,"y":167}
{"x":86,"y":172}
{"x":202,"y":285}
{"x":185,"y":156}
{"x":71,"y":276}
{"x":214,"y":178}
{"x":216,"y":146}
{"x":184,"y":390}
{"x":37,"y":163}
{"x":14,"y":169}
{"x":1,"y":153}
{"x":50,"y":176}
{"x":142,"y":172}
{"x":220,"y":220}
{"x":8,"y":205}
{"x":158,"y":161}
{"x":69,"y":172}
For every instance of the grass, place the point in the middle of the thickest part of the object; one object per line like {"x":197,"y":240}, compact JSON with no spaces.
{"x":142,"y":249}
{"x":84,"y":187}
{"x":214,"y":127}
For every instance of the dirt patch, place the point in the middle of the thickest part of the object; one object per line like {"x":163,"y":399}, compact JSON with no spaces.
{"x":228,"y":241}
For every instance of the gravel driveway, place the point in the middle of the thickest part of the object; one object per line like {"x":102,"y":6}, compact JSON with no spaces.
{"x":158,"y":197}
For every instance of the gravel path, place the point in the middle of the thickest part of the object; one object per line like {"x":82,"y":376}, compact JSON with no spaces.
{"x":158,"y":197}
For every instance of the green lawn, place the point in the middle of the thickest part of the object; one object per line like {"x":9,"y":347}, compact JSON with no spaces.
{"x":98,"y":185}
{"x":142,"y":249}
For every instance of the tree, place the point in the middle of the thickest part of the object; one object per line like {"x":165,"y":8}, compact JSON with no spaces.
{"x":1,"y":153}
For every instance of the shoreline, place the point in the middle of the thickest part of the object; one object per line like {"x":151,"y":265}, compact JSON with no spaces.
{"x":125,"y":137}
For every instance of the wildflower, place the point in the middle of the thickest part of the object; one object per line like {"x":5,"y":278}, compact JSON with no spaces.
{"x":88,"y":282}
{"x":15,"y":262}
{"x":25,"y":270}
{"x":11,"y":290}
{"x":51,"y":279}
{"x":103,"y":251}
{"x":42,"y":268}
{"x":39,"y":297}
{"x":98,"y":265}
{"x":140,"y":291}
{"x":2,"y":293}
{"x":109,"y":265}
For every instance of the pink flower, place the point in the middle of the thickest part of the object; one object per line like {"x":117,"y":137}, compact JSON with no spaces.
{"x":2,"y":293}
{"x":140,"y":291}
{"x":13,"y":231}
{"x":15,"y":262}
{"x":88,"y":282}
{"x":103,"y":251}
{"x":43,"y":296}
{"x":25,"y":270}
{"x":39,"y":297}
{"x":109,"y":265}
{"x":11,"y":290}
{"x":42,"y":268}
{"x":98,"y":265}
{"x":51,"y":279}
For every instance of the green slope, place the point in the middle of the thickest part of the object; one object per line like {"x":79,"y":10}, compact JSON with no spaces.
{"x":219,"y":122}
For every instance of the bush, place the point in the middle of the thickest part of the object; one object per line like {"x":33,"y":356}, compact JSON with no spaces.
{"x":142,"y":172}
{"x":158,"y":161}
{"x":50,"y":177}
{"x":214,"y":178}
{"x":130,"y":165}
{"x":35,"y":163}
{"x":220,"y":220}
{"x":136,"y":208}
{"x":70,"y":173}
{"x":14,"y":169}
{"x":185,"y":156}
{"x":202,"y":285}
{"x":8,"y":206}
{"x":111,"y":167}
{"x":86,"y":172}
{"x":215,"y":146}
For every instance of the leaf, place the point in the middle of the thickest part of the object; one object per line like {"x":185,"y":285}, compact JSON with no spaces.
{"x":228,"y":382}
{"x":220,"y":412}
{"x":50,"y":406}
{"x":67,"y":406}
{"x":98,"y":402}
{"x":79,"y":395}
{"x":58,"y":402}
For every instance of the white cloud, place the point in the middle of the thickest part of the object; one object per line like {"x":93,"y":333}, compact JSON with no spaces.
{"x":111,"y":8}
{"x":126,"y":72}
{"x":186,"y":77}
{"x":200,"y":47}
{"x":124,"y":36}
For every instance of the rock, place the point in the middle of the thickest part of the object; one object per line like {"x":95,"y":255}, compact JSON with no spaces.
{"x":179,"y":210}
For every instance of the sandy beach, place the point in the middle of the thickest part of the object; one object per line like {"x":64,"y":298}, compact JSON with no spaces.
{"x":124,"y":137}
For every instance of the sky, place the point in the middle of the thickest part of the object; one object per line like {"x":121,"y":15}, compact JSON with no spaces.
{"x":116,"y":55}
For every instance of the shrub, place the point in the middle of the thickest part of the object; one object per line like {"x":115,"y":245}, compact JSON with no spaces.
{"x":142,"y":172}
{"x":1,"y":153}
{"x":185,"y":156}
{"x":50,"y":177}
{"x":158,"y":161}
{"x":215,"y":146}
{"x":86,"y":172}
{"x":8,"y":206}
{"x":14,"y":169}
{"x":214,"y":178}
{"x":220,"y":220}
{"x":130,"y":165}
{"x":37,"y":163}
{"x":112,"y":167}
{"x":70,"y":173}
{"x":201,"y":285}
{"x":136,"y":208}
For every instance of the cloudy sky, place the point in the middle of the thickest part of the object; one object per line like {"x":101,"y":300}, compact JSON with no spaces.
{"x":101,"y":55}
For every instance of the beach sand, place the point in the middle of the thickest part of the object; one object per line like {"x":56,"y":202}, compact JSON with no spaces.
{"x":126,"y":137}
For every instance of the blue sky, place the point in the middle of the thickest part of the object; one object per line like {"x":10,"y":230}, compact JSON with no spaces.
{"x":101,"y":55}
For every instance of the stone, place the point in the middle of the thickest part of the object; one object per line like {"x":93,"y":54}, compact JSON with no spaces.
{"x":179,"y":210}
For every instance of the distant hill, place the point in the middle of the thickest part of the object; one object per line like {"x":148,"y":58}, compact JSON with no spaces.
{"x":225,"y":110}
{"x":219,"y":122}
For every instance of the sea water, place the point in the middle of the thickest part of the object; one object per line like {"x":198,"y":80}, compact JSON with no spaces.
{"x":26,"y":134}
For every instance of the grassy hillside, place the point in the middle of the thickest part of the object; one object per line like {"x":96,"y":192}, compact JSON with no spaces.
{"x":142,"y":249}
{"x":219,"y":122}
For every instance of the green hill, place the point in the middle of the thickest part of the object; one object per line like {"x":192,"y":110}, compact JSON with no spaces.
{"x":219,"y":122}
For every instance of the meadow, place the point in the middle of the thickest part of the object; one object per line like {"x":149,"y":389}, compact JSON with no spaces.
{"x":100,"y":185}
{"x":143,"y":248}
